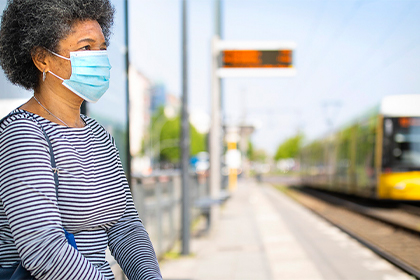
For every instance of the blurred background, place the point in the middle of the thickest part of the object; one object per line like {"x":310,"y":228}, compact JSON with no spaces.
{"x":348,"y":56}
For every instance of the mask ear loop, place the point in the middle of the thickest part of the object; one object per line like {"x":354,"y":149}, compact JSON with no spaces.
{"x":58,"y":77}
{"x":60,"y":56}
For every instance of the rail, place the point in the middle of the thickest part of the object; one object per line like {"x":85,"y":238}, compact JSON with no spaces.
{"x":388,"y":238}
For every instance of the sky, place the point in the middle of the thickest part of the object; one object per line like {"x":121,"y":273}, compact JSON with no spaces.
{"x":349,"y":55}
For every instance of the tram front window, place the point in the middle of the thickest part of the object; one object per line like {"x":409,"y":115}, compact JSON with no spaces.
{"x":401,"y":144}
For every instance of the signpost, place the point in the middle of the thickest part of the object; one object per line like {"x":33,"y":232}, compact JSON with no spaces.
{"x":241,"y":59}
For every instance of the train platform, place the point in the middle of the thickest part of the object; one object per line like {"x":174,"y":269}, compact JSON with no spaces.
{"x":261,"y":234}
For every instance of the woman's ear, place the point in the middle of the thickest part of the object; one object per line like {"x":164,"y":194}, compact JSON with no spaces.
{"x":40,"y":58}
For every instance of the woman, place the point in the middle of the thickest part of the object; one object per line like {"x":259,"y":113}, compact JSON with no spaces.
{"x":57,"y":48}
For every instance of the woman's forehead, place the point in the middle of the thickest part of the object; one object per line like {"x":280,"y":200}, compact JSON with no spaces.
{"x":87,"y":31}
{"x":86,"y":28}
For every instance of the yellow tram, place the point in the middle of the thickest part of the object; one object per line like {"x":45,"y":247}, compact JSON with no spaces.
{"x":376,"y":155}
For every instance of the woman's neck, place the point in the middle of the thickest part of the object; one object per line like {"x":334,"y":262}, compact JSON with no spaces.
{"x":61,"y":107}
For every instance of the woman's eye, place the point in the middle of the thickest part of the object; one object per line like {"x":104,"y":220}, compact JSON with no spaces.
{"x":85,"y":48}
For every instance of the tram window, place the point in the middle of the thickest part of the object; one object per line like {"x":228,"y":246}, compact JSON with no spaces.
{"x":407,"y":138}
{"x":401,"y":145}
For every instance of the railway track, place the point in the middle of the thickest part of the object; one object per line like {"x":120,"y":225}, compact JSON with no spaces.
{"x":392,"y":233}
{"x":410,"y":208}
{"x":403,"y":216}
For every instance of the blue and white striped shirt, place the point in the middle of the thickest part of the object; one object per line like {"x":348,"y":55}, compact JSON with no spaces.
{"x":94,"y":203}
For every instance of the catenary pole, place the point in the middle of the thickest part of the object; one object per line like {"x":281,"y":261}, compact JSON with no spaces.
{"x":218,"y":18}
{"x":219,"y":33}
{"x":216,"y":119}
{"x":127,"y":95}
{"x":185,"y":139}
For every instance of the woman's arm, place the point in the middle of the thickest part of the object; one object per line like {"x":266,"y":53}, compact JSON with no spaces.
{"x":130,"y":244}
{"x":28,"y":194}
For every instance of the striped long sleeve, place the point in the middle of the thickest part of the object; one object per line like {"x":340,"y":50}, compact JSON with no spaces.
{"x":27,"y":192}
{"x":94,"y":203}
{"x":130,"y":244}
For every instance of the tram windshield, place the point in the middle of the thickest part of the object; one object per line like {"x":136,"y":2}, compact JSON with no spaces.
{"x":401,"y":144}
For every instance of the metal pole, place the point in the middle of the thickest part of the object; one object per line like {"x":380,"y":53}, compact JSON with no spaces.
{"x":218,"y":32}
{"x":127,"y":96}
{"x":216,"y":126}
{"x":216,"y":120}
{"x":127,"y":104}
{"x":218,"y":19}
{"x":185,"y":139}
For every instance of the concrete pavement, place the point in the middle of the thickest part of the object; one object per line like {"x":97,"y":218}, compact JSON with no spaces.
{"x":262,"y":234}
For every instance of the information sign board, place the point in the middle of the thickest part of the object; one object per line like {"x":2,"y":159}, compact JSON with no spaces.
{"x":257,"y":58}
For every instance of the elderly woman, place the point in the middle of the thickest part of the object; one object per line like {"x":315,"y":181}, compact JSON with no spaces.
{"x":57,"y":48}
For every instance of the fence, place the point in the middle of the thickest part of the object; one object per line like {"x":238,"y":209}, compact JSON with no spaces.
{"x":158,"y":200}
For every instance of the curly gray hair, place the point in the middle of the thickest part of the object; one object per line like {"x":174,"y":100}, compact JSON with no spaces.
{"x":28,"y":24}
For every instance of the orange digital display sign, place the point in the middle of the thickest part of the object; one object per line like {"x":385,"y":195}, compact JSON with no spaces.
{"x":257,"y":59}
{"x":407,"y":122}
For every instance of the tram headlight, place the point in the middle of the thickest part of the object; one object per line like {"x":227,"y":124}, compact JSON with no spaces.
{"x":400,"y":186}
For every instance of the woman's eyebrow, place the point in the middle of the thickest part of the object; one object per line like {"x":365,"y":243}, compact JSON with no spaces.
{"x":86,"y":40}
{"x":90,"y":40}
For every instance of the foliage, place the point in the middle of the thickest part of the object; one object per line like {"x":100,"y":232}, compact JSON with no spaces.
{"x":366,"y":135}
{"x":259,"y":155}
{"x":166,"y":134}
{"x":250,"y":151}
{"x":290,"y":148}
{"x":256,"y":155}
{"x":316,"y":152}
{"x":345,"y":139}
{"x":168,"y":145}
{"x":198,"y":141}
{"x":169,"y":141}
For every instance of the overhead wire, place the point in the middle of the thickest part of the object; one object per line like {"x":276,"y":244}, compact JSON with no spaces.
{"x":310,"y":37}
{"x":367,"y":56}
{"x":331,"y":42}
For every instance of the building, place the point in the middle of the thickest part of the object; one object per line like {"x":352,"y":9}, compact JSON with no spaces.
{"x":139,"y":108}
{"x":158,"y":97}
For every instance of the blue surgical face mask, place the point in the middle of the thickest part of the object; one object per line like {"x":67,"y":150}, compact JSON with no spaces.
{"x":90,"y":72}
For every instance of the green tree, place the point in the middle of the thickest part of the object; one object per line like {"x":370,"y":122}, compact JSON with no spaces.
{"x":259,"y":155}
{"x":198,"y":141}
{"x":166,"y":143}
{"x":256,"y":155}
{"x":169,"y":149}
{"x":250,"y":151}
{"x":290,"y":148}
